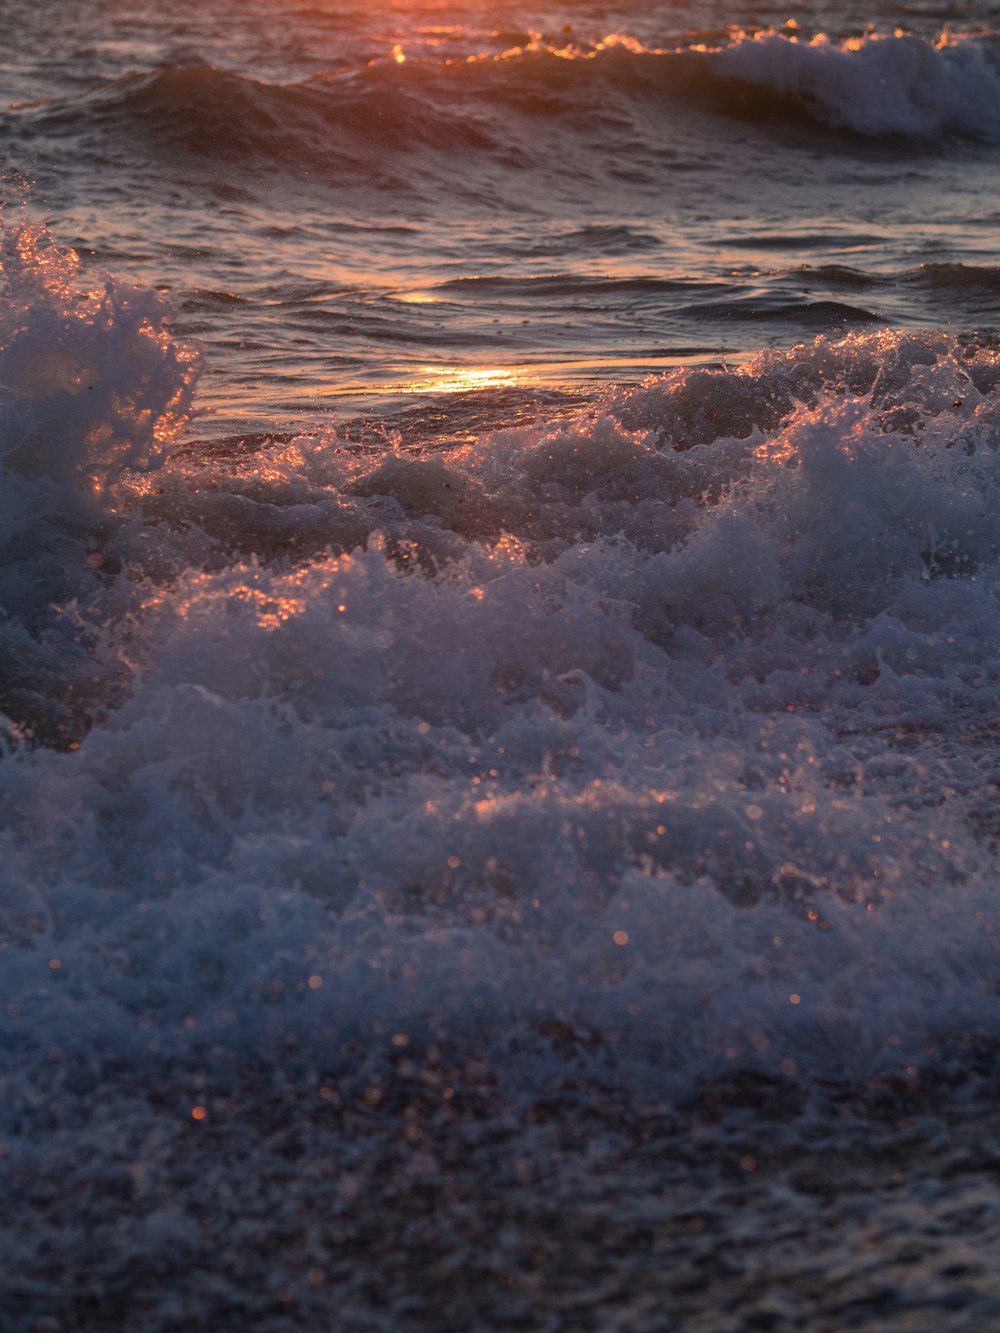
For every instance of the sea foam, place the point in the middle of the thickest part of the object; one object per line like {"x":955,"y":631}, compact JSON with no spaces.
{"x":879,"y":84}
{"x":606,"y":761}
{"x":93,"y":391}
{"x":564,"y":725}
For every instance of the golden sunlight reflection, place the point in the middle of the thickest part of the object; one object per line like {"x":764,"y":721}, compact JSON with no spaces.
{"x":271,"y":609}
{"x":418,"y":297}
{"x":570,"y":373}
{"x":781,"y":450}
{"x":463,"y":379}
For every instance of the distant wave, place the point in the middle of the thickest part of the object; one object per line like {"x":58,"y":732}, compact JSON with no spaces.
{"x":217,"y":112}
{"x":873,"y":86}
{"x":616,"y":94}
{"x":898,"y":85}
{"x":959,"y":278}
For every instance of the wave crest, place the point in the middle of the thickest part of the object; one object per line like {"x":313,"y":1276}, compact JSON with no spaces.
{"x":878,"y":85}
{"x":361,"y":117}
{"x":93,"y":392}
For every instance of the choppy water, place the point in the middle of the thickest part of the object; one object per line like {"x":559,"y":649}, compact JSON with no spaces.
{"x":499,"y":664}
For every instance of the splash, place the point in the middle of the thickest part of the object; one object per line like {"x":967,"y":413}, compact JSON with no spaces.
{"x":92,"y":383}
{"x":879,"y":84}
{"x":93,"y":392}
{"x":622,"y":762}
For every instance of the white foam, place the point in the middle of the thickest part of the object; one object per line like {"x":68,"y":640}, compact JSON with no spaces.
{"x":671,"y":726}
{"x":92,"y":382}
{"x":93,"y":391}
{"x":879,"y":84}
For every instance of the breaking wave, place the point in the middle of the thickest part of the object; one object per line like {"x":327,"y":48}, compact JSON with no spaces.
{"x":878,"y":85}
{"x":617,"y":90}
{"x":625,"y":676}
{"x":627,"y":756}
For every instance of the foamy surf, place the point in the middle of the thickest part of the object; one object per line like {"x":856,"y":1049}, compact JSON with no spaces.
{"x":595,"y":800}
{"x":613,"y":686}
{"x":497,"y":793}
{"x":880,"y":84}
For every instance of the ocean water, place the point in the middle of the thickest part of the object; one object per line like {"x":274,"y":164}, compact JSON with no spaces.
{"x":499,"y":666}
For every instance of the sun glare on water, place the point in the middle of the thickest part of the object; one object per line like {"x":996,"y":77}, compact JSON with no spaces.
{"x":463,"y":379}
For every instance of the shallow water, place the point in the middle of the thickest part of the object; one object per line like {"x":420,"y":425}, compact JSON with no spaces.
{"x":499,"y":660}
